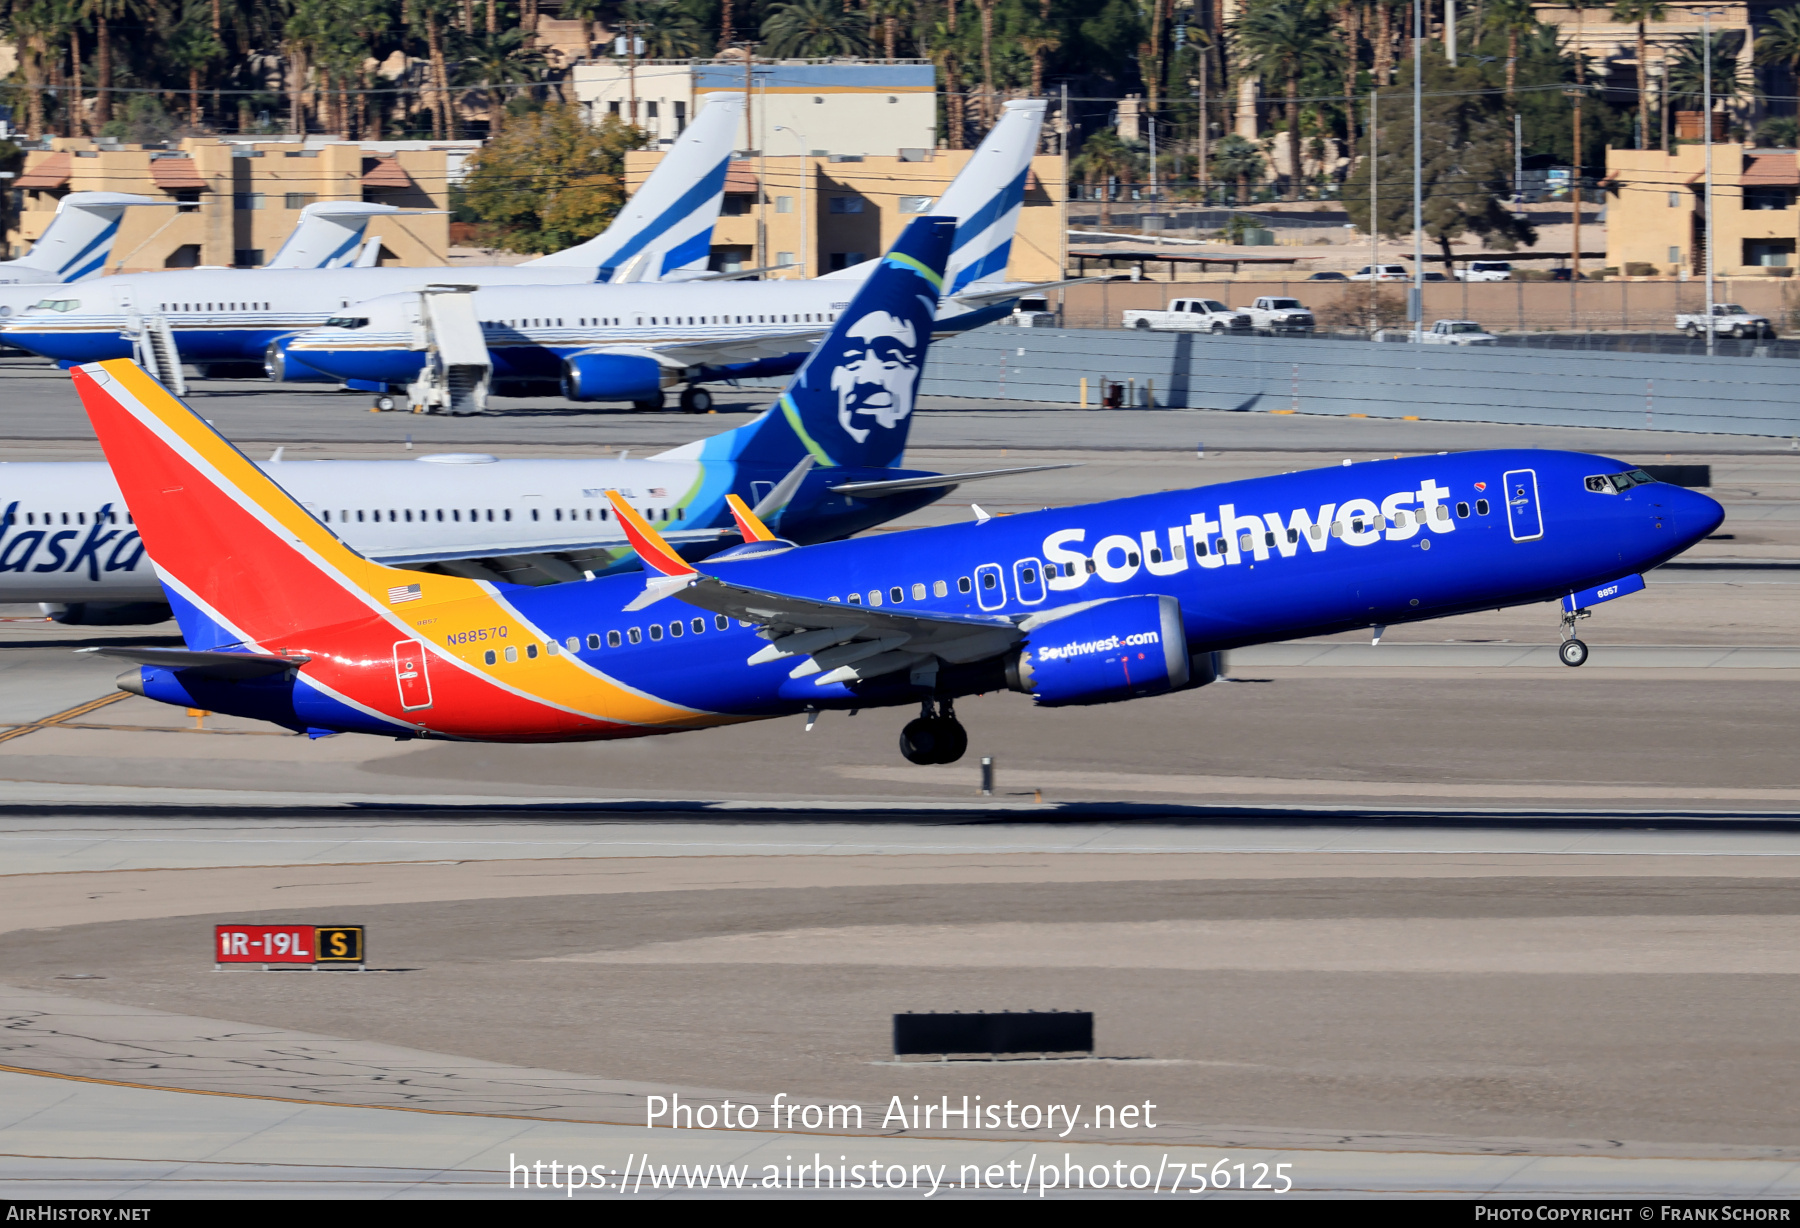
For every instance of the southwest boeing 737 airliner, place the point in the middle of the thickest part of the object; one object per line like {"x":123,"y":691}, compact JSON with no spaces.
{"x":1080,"y":605}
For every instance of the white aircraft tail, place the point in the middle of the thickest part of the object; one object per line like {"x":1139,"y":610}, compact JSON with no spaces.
{"x":328,"y":235}
{"x":673,"y":214}
{"x":985,"y":199}
{"x":79,"y":240}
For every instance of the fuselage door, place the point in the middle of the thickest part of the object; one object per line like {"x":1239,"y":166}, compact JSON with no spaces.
{"x":1028,"y":581}
{"x":990,"y":586}
{"x":411,"y":673}
{"x":1524,"y":517}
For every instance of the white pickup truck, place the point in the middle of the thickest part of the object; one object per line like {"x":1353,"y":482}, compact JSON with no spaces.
{"x":1443,"y":332}
{"x":1271,"y":315}
{"x":1192,"y":315}
{"x":1728,"y":319}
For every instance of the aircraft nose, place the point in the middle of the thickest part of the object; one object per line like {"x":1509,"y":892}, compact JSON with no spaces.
{"x":1690,"y":514}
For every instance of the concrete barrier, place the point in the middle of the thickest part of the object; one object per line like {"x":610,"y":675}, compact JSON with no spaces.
{"x":1740,"y":396}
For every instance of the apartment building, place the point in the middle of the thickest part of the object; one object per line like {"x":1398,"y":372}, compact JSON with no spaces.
{"x":1657,"y":206}
{"x":238,"y":199}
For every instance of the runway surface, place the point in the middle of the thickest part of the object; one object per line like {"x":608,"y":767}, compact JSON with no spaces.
{"x":1435,"y":916}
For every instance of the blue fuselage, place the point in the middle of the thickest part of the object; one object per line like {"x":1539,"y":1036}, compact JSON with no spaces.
{"x":1249,"y":562}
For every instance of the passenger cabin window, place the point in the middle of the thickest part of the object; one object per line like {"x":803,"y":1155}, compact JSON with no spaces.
{"x":1481,"y":507}
{"x":721,"y":622}
{"x":593,"y":641}
{"x":1462,"y":511}
{"x":963,"y":585}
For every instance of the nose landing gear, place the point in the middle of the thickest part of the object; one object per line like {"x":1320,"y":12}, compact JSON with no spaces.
{"x":1573,"y":651}
{"x":935,"y":737}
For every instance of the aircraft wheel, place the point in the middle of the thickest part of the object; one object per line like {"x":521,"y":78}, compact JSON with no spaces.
{"x":649,"y":404}
{"x":952,"y":740}
{"x":920,"y":741}
{"x":1573,"y":652}
{"x":383,"y":404}
{"x":695,"y":400}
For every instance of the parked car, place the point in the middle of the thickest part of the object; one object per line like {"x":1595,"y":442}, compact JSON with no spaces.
{"x":1032,"y":311}
{"x":1485,"y":270}
{"x":1271,"y":314}
{"x":1728,"y":319}
{"x":1192,"y":315}
{"x":1433,"y":277}
{"x":1381,"y":272}
{"x":1443,"y":332}
{"x":1328,"y":276}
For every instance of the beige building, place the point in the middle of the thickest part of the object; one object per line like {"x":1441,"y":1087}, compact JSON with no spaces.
{"x":818,"y":214}
{"x":240,"y":199}
{"x":1656,"y":211}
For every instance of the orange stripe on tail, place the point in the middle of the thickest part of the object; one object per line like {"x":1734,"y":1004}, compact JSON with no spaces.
{"x":754,"y":530}
{"x":657,"y":554}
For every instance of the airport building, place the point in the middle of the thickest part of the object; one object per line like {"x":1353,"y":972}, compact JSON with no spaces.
{"x":238,"y":200}
{"x":1656,"y":211}
{"x":823,"y":107}
{"x":817,"y":214}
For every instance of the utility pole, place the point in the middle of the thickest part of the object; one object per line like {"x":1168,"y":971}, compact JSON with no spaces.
{"x":805,"y":191}
{"x":1706,"y":120}
{"x":1205,"y":133}
{"x":631,"y":66}
{"x":1374,"y":205}
{"x":1580,"y":89}
{"x":1415,"y":304}
{"x":1450,"y":31}
{"x":1518,"y":156}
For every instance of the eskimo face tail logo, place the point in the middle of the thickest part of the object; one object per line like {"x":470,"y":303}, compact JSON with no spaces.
{"x":877,"y":376}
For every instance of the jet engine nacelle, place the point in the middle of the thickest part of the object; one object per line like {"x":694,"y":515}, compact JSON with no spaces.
{"x":285,"y":368}
{"x":613,"y":377}
{"x":1121,"y":648}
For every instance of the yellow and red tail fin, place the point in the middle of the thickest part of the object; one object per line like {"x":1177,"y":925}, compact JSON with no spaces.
{"x":753,"y":529}
{"x":656,"y":553}
{"x":243,"y":562}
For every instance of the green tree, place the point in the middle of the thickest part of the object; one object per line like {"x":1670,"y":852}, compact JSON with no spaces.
{"x":1514,"y":19}
{"x":550,"y":180}
{"x":1105,"y":157}
{"x":1238,"y":161}
{"x":1638,"y":12}
{"x":813,"y":28}
{"x":1465,"y":172}
{"x":1284,"y":40}
{"x":669,"y":31}
{"x":498,"y":61}
{"x":195,"y":47}
{"x":1686,"y":71}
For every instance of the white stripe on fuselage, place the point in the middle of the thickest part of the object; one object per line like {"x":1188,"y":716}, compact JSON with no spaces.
{"x":59,"y":500}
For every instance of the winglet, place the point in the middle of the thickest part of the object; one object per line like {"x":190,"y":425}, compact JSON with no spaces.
{"x":657,"y":554}
{"x":753,"y":529}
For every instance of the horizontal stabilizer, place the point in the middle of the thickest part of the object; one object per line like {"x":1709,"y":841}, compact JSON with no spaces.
{"x":982,"y":293}
{"x":225,"y":666}
{"x":895,"y":486}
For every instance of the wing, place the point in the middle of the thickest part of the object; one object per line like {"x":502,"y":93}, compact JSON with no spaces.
{"x":718,"y":351}
{"x":895,"y":486}
{"x":229,"y":666}
{"x":846,"y":643}
{"x":978,"y":295}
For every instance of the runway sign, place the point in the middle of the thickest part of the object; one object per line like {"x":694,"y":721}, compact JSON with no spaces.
{"x":998,"y":1032}
{"x":288,"y":944}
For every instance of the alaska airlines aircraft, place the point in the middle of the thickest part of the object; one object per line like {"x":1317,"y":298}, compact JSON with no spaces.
{"x":632,"y":343}
{"x":241,"y":315}
{"x":284,"y":622}
{"x":66,"y":543}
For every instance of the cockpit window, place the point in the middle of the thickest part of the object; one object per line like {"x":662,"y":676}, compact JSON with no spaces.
{"x":347,"y":322}
{"x":1613,"y":483}
{"x":58,"y":304}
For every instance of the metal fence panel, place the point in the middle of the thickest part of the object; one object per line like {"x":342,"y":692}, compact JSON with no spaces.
{"x":1746,"y":396}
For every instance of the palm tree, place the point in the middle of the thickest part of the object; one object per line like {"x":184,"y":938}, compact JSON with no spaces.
{"x":1780,"y":44}
{"x":812,"y":29}
{"x":1513,"y":18}
{"x":585,"y":11}
{"x":986,"y":8}
{"x":430,"y":14}
{"x":1037,"y":39}
{"x":1638,"y":12}
{"x":889,"y":13}
{"x":1103,"y":158}
{"x":194,"y":46}
{"x":1285,"y":40}
{"x":1685,"y":74}
{"x":502,"y":59}
{"x":669,"y":31}
{"x":1236,"y":160}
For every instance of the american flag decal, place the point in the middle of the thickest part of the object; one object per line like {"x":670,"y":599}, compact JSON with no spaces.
{"x":404,"y":592}
{"x":658,"y":492}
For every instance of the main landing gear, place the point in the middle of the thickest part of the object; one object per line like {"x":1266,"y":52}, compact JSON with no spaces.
{"x":695,"y":400}
{"x":1573,"y":651}
{"x":935,"y":737}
